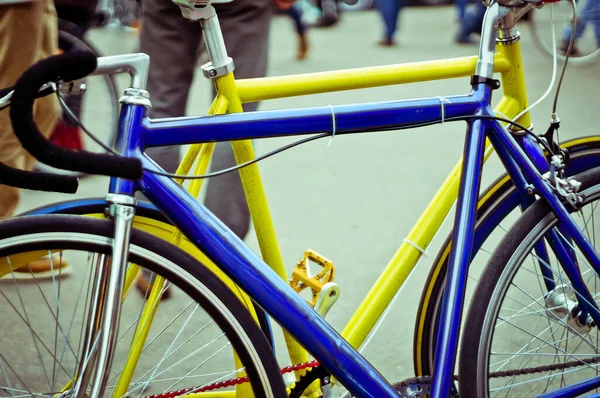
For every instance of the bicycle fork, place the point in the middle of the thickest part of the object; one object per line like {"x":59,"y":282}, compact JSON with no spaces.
{"x":105,"y":308}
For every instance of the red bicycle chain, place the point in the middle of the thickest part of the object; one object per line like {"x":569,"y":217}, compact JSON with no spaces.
{"x":230,"y":382}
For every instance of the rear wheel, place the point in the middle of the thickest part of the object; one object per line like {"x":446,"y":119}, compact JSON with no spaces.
{"x":191,"y":340}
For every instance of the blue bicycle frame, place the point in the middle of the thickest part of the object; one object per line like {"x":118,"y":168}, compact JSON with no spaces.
{"x":524,"y":162}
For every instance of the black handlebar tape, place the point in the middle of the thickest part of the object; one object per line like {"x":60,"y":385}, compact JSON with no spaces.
{"x":37,"y":181}
{"x":68,"y":66}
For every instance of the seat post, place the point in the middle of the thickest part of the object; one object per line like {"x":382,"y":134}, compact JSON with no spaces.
{"x":201,"y":10}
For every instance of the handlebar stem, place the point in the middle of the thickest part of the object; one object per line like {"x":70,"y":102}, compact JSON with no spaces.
{"x":136,"y":65}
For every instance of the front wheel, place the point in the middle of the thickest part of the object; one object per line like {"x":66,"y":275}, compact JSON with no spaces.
{"x":199,"y":339}
{"x":522,"y":336}
{"x":496,"y":211}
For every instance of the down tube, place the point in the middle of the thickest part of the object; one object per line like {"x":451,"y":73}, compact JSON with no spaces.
{"x":271,"y":292}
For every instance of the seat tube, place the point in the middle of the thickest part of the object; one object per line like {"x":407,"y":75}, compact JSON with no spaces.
{"x":220,"y":69}
{"x":462,"y":240}
{"x":464,"y":224}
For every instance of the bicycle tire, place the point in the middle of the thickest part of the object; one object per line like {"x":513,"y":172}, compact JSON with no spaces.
{"x":150,"y":220}
{"x":25,"y":238}
{"x":540,"y":26}
{"x":492,"y":201}
{"x":104,"y":85}
{"x":507,"y":267}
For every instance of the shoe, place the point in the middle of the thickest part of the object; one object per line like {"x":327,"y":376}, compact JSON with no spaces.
{"x":386,"y":43}
{"x":330,"y":14}
{"x":564,"y":46}
{"x":144,"y":282}
{"x":464,"y":40}
{"x":44,"y":268}
{"x":302,"y":47}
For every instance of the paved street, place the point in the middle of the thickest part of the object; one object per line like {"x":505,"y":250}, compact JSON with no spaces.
{"x":355,"y":200}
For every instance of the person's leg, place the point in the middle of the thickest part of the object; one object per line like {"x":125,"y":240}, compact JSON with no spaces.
{"x":477,"y":20}
{"x":172,"y":43}
{"x":245,"y":25}
{"x":471,"y":23}
{"x":296,"y":13}
{"x":594,"y":19}
{"x":389,"y":10}
{"x":585,"y":16}
{"x":461,"y":6}
{"x":66,"y":132}
{"x":29,"y":33}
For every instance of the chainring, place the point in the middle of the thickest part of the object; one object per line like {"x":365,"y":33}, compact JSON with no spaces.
{"x":316,"y":373}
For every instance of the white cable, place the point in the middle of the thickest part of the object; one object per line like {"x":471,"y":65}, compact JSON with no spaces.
{"x":333,"y":126}
{"x":443,"y":108}
{"x":554,"y":68}
{"x":419,"y":248}
{"x":498,"y":113}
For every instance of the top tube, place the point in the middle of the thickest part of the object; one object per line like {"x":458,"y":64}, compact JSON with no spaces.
{"x":337,"y":120}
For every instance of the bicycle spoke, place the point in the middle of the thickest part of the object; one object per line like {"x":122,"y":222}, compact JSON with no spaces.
{"x":176,"y":350}
{"x":33,"y":334}
{"x":3,"y":360}
{"x":158,"y":365}
{"x":190,"y":355}
{"x":196,"y":368}
{"x":8,"y":387}
{"x":145,"y":324}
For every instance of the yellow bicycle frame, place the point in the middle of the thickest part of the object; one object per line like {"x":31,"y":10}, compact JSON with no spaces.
{"x":231,"y":95}
{"x":514,"y":99}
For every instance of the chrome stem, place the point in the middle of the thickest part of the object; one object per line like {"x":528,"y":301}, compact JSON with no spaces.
{"x":136,"y":65}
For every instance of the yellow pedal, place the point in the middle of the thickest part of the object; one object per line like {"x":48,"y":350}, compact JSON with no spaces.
{"x":303,"y":278}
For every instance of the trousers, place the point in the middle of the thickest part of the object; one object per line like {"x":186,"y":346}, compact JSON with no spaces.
{"x":174,"y":45}
{"x":28,"y":33}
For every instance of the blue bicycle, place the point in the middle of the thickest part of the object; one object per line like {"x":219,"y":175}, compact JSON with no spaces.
{"x":531,"y":329}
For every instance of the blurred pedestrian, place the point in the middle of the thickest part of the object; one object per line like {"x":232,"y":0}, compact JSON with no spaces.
{"x":29,"y":33}
{"x":471,"y":23}
{"x":295,"y":12}
{"x":588,"y":15}
{"x":174,"y":45}
{"x":461,"y":6}
{"x":76,"y":16}
{"x":389,"y":10}
{"x":330,"y":12}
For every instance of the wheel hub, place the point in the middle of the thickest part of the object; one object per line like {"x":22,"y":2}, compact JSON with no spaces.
{"x":561,"y":303}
